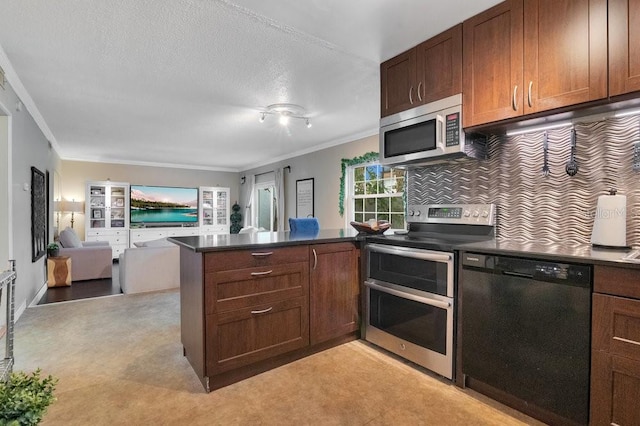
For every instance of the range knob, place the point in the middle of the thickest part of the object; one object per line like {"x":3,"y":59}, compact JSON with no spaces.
{"x":476,"y":213}
{"x":467,"y":213}
{"x":411,"y":213}
{"x":485,"y":213}
{"x":417,"y":212}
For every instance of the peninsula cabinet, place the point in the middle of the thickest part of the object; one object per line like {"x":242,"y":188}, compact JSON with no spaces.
{"x":624,"y":46}
{"x":528,"y":56}
{"x":245,"y":311}
{"x":615,"y":354}
{"x":430,"y":71}
{"x":335,"y":290}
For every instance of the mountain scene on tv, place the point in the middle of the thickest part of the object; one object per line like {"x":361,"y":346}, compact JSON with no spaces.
{"x":163,"y":204}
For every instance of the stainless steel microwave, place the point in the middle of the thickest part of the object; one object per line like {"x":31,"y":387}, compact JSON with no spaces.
{"x":425,"y":133}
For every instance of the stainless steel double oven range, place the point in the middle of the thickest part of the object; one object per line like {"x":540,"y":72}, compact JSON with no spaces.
{"x":411,"y":282}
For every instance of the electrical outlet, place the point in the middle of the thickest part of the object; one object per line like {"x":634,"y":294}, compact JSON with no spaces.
{"x":636,"y":157}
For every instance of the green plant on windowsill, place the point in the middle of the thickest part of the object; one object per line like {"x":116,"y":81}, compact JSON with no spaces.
{"x":25,"y":397}
{"x":52,"y":250}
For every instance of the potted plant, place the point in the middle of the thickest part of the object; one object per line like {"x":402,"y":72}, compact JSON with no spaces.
{"x":52,"y":250}
{"x":24,"y":398}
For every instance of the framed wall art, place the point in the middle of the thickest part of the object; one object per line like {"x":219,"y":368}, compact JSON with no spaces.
{"x":38,"y":214}
{"x":304,"y":198}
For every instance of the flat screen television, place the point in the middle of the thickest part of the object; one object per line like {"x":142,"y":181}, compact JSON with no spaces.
{"x":163,"y":205}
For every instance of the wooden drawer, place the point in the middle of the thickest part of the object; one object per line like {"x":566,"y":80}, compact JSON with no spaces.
{"x":616,"y":327}
{"x":616,"y":281}
{"x":242,"y":337}
{"x":241,"y":288}
{"x":241,"y":259}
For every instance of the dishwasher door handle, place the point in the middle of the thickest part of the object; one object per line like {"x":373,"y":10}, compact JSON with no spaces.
{"x":517,"y":274}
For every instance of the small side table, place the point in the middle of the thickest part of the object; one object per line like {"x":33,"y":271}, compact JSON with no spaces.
{"x":59,"y":271}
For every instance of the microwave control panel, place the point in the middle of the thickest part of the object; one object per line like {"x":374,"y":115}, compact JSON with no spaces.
{"x":452,"y":129}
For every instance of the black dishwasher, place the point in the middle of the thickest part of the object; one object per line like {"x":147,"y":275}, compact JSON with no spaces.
{"x":526,"y":334}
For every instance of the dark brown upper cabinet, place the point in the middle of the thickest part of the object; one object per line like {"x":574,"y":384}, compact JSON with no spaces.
{"x":428,"y":72}
{"x":528,"y":56}
{"x":624,"y":46}
{"x":565,"y":53}
{"x":493,"y":64}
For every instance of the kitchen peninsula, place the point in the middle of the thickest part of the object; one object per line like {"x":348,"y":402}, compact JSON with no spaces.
{"x":252,"y":302}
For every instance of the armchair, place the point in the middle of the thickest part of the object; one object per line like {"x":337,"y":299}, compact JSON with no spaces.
{"x":90,"y":260}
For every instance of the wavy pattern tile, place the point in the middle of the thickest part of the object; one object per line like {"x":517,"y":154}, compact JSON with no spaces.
{"x":533,"y":207}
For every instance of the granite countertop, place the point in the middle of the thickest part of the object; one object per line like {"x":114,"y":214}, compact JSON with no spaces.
{"x":206,"y":243}
{"x":582,"y":253}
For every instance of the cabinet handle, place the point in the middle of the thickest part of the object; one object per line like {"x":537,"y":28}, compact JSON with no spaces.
{"x":623,"y":340}
{"x":410,"y":95}
{"x":315,"y":259}
{"x":529,"y":96}
{"x":419,"y":92}
{"x":262,"y":311}
{"x":256,"y":274}
{"x":515,"y":91}
{"x":262,"y":254}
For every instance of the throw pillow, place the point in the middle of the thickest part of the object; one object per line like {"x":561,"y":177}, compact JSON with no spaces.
{"x":69,"y":239}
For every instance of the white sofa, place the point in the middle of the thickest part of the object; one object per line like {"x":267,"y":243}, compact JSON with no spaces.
{"x":152,"y":266}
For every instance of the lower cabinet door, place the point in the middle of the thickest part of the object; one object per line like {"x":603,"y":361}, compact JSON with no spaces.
{"x":615,"y":390}
{"x":334,"y":291}
{"x":245,"y":336}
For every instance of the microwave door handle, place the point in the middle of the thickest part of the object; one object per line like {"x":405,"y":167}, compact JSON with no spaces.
{"x":440,"y":132}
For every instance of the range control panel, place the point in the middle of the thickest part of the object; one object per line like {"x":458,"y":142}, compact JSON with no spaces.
{"x":463,"y":214}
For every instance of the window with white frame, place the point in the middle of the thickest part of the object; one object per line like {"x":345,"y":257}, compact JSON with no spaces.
{"x":377,"y":192}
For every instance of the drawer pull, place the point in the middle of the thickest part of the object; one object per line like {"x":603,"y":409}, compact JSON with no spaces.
{"x":623,"y":340}
{"x":267,"y":253}
{"x":315,"y":259}
{"x":263,"y":311}
{"x":256,"y":274}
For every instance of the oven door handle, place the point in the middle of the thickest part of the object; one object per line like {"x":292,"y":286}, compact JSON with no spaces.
{"x":414,"y":253}
{"x":409,"y":296}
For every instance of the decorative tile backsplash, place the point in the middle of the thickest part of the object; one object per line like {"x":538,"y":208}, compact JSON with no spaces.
{"x":531,"y":206}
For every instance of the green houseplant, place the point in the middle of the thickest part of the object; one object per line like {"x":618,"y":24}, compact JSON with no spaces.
{"x":52,"y":250}
{"x":24,"y":398}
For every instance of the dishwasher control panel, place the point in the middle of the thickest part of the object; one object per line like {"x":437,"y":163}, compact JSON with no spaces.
{"x":566,"y":273}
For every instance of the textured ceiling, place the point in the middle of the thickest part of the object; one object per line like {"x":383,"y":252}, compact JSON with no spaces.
{"x":181,"y":82}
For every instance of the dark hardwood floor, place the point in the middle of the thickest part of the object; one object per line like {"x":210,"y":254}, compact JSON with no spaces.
{"x":83,"y":289}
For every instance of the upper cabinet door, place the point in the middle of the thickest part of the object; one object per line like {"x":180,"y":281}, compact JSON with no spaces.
{"x":493,"y":64}
{"x":399,"y":90}
{"x":565,"y":53}
{"x":624,"y":46}
{"x":440,"y":65}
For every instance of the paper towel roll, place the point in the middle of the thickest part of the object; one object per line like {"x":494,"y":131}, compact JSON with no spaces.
{"x":610,"y":222}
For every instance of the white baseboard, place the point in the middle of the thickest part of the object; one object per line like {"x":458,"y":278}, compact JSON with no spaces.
{"x":38,"y":296}
{"x":19,"y":311}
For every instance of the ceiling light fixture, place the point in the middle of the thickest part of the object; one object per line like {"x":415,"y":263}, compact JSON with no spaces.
{"x":285,"y":112}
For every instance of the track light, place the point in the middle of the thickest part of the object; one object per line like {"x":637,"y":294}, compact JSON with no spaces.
{"x":285,"y":113}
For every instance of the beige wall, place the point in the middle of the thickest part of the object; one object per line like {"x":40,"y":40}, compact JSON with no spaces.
{"x":325,"y":167}
{"x":75,"y":174}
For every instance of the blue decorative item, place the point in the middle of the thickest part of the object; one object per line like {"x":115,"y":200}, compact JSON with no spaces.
{"x":304,"y":225}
